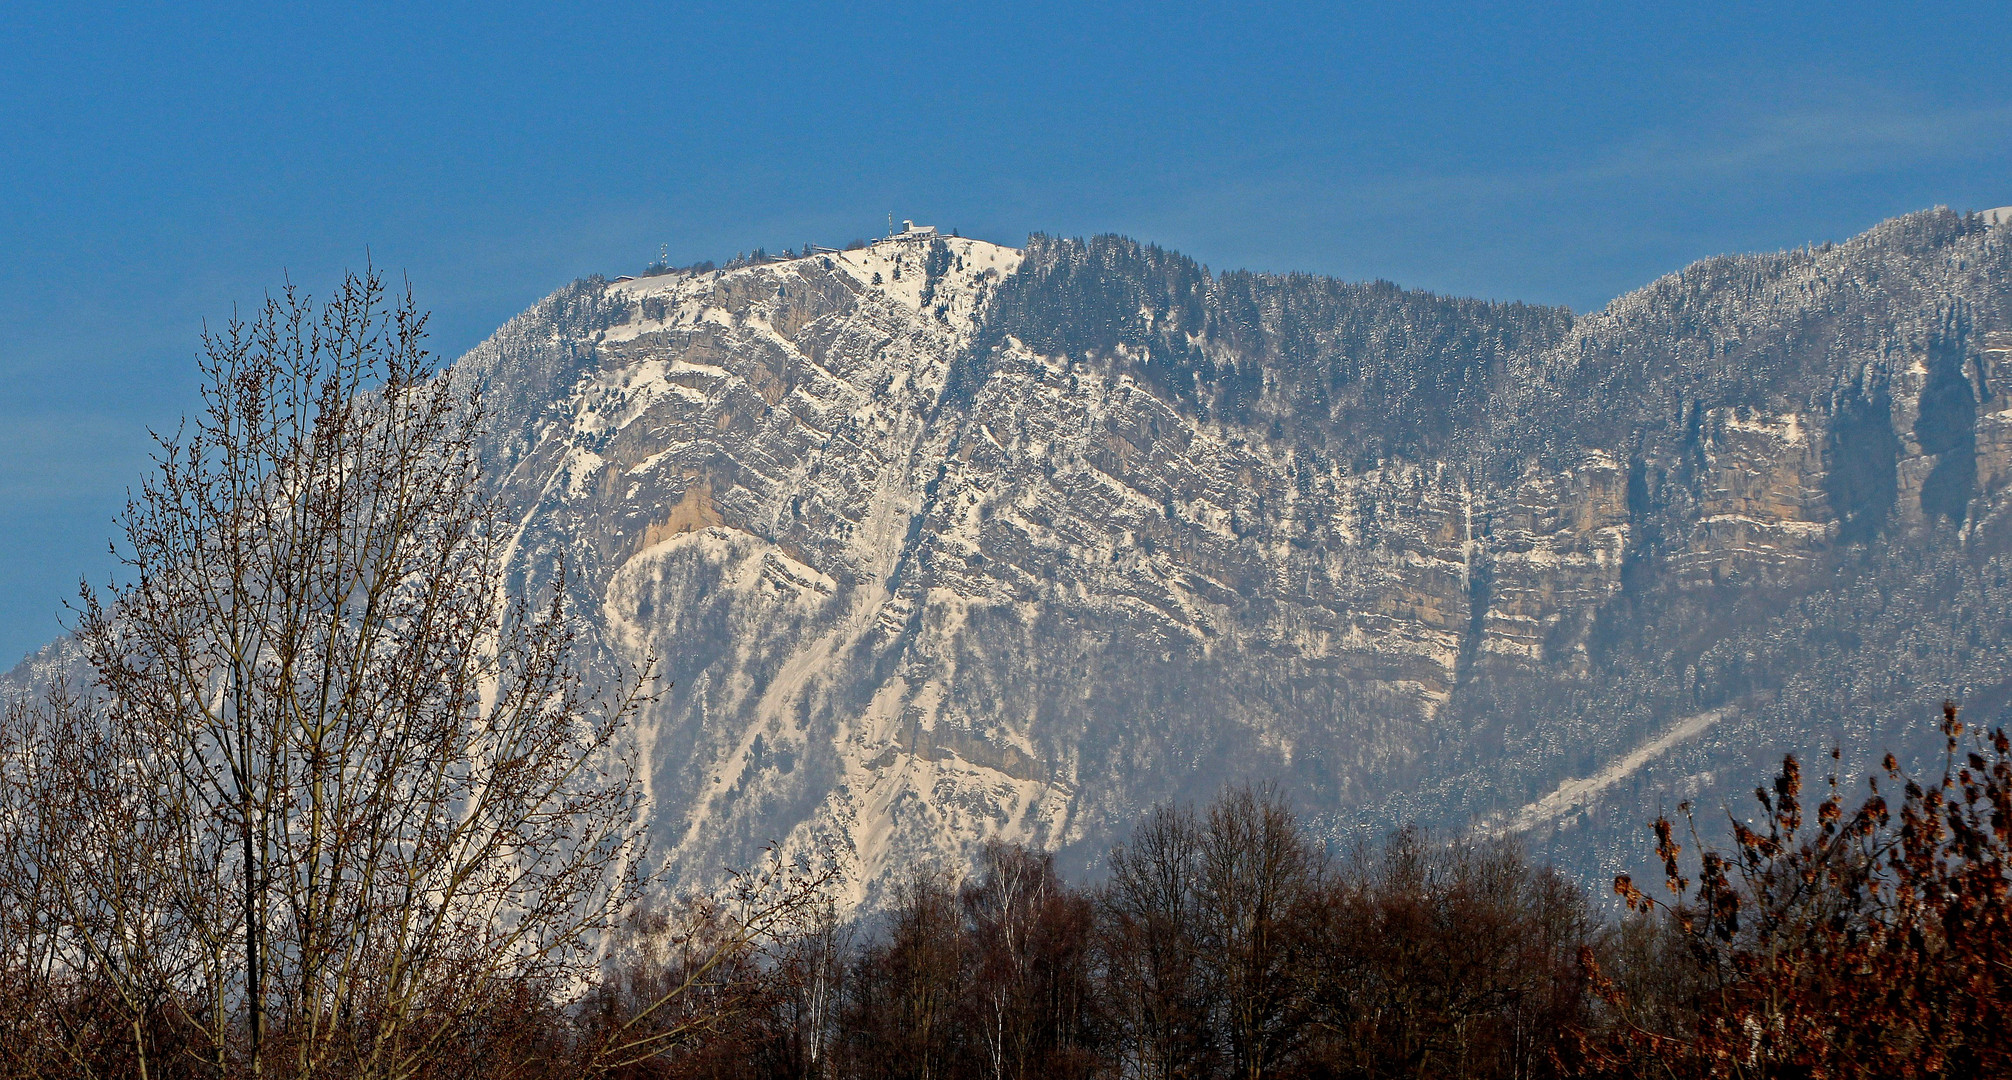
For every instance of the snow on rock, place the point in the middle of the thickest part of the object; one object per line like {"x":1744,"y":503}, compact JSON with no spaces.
{"x":915,"y":583}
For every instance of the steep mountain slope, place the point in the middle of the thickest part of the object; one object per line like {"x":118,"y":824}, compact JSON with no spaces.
{"x":940,"y":540}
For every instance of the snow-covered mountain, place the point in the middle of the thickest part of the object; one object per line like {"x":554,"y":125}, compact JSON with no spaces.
{"x":940,"y":540}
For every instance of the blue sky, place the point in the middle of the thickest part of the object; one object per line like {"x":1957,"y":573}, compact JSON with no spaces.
{"x":160,"y":163}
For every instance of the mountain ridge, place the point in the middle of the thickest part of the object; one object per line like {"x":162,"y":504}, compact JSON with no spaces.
{"x":941,"y":541}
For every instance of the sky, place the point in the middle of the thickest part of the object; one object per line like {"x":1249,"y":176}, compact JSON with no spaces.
{"x":164,"y":164}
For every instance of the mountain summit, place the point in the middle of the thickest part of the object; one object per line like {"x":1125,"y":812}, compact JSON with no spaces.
{"x":938,"y":541}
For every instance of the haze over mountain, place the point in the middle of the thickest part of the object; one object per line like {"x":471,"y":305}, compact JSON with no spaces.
{"x":940,"y":540}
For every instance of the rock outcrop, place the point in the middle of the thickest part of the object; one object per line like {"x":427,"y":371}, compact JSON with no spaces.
{"x":939,"y":541}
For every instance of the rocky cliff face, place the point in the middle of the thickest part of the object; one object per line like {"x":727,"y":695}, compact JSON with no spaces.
{"x":942,"y":541}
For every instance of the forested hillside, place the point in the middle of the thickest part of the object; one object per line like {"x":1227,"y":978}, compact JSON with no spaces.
{"x":939,"y":542}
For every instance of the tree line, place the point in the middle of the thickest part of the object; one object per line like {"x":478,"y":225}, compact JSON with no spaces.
{"x":1224,"y":943}
{"x":1847,"y":938}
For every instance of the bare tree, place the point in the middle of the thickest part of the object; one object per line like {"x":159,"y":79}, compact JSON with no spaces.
{"x":1154,"y":977}
{"x":374,"y":794}
{"x":814,"y":970}
{"x":1446,"y":957}
{"x":902,"y":1013}
{"x":93,"y":951}
{"x":1029,"y":935}
{"x":1259,"y":879}
{"x":707,"y":981}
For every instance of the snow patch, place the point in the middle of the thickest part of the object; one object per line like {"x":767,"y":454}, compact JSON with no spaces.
{"x":1574,"y":795}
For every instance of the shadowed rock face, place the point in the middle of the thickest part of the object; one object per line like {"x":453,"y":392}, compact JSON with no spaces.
{"x":940,"y":541}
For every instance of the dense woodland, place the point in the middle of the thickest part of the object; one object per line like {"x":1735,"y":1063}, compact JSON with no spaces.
{"x":1845,"y":938}
{"x":1836,"y":937}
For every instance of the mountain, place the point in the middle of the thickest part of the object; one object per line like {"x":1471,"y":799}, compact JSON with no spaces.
{"x":939,"y":540}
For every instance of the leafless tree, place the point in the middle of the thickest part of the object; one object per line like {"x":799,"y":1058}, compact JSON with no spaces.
{"x":707,"y":981}
{"x":333,"y":793}
{"x":814,"y":971}
{"x":1029,"y":935}
{"x":1259,"y":876}
{"x":902,"y":1014}
{"x":93,"y":952}
{"x":1154,"y":977}
{"x":1446,"y":957}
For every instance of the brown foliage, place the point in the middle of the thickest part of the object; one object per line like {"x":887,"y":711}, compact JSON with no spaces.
{"x":1868,"y":942}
